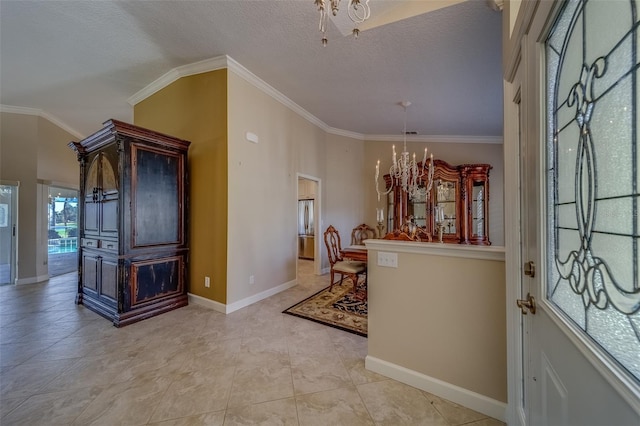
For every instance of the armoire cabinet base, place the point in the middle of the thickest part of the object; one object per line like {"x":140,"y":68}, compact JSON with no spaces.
{"x":126,"y":318}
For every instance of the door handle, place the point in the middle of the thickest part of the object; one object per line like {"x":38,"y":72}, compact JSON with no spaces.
{"x":530,"y":269}
{"x":527,"y":304}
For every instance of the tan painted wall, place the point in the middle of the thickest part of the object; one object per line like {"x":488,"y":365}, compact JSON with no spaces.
{"x":347,"y":188}
{"x":19,"y":162}
{"x":56,"y":161}
{"x":452,"y":153}
{"x":195,"y":108}
{"x":262,"y":190}
{"x":33,"y":149}
{"x":441,"y":316}
{"x":263,"y":186}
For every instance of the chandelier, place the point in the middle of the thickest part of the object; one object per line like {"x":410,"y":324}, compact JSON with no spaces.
{"x":359,"y":11}
{"x":405,"y":172}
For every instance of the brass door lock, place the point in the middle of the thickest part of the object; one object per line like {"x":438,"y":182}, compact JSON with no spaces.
{"x":528,"y":304}
{"x":530,"y":269}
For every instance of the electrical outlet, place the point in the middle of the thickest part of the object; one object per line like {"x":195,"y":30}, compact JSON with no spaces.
{"x":252,"y":279}
{"x":207,"y":282}
{"x":388,"y":260}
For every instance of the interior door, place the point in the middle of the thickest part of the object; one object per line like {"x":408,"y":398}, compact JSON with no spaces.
{"x":580,"y":231}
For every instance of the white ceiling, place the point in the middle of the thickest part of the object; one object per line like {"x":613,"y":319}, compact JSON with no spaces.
{"x":79,"y":61}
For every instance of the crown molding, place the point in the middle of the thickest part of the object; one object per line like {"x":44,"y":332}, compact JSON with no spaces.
{"x":345,"y":133}
{"x":437,"y":139}
{"x":220,"y":62}
{"x":262,"y":85}
{"x":40,"y":113}
{"x":225,"y":61}
{"x":211,"y":64}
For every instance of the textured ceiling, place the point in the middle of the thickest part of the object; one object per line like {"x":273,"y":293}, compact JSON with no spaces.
{"x":79,"y":61}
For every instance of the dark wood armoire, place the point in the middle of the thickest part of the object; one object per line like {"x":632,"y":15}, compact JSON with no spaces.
{"x":132,"y":221}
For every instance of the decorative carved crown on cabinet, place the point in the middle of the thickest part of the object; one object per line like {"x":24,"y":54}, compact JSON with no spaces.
{"x":459,"y":193}
{"x":132,"y":222}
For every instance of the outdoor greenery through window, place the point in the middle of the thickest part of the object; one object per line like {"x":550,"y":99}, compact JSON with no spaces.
{"x":62,"y":218}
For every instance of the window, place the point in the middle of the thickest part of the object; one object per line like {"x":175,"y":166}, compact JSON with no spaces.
{"x":593,"y":203}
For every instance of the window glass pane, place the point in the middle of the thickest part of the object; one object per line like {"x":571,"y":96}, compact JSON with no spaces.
{"x":593,"y":200}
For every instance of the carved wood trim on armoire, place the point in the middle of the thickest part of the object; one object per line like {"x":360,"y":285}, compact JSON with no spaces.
{"x":132,"y":222}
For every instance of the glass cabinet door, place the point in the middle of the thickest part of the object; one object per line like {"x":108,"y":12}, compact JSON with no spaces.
{"x":391,"y":212}
{"x":476,"y":209}
{"x":446,"y":204}
{"x":417,"y":211}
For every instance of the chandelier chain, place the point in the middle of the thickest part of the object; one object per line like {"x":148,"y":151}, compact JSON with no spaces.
{"x":358,"y":11}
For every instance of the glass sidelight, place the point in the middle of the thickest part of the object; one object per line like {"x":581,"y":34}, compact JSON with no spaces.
{"x":8,"y":232}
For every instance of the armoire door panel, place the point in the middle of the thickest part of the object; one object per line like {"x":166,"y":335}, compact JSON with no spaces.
{"x":109,"y":278}
{"x":155,"y":177}
{"x":90,"y":271}
{"x":109,"y":222}
{"x":151,"y":279}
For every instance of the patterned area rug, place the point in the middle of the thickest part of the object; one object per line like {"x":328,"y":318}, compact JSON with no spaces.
{"x":338,"y":308}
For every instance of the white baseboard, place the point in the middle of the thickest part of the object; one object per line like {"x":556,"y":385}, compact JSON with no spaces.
{"x":464,"y":397}
{"x":227,"y":309}
{"x":207,"y":303}
{"x":32,"y":280}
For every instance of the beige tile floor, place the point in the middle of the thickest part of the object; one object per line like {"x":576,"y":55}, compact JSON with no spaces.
{"x":63,"y":364}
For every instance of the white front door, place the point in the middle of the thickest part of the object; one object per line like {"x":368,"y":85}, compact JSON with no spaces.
{"x":579,"y":91}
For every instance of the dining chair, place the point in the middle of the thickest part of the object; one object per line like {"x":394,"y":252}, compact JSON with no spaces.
{"x":346,"y":268}
{"x":360,"y":233}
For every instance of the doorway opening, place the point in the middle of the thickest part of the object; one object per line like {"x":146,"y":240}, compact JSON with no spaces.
{"x":308,"y":224}
{"x":62,"y":220}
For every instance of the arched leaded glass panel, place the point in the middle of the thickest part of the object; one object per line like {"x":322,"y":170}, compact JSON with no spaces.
{"x":593,"y":179}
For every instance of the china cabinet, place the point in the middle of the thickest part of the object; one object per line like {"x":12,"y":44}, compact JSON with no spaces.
{"x":457,"y":202}
{"x":132,"y":222}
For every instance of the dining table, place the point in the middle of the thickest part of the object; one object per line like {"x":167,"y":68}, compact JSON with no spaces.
{"x":355,"y":252}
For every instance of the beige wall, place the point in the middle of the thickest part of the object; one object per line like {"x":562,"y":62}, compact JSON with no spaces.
{"x":346,"y":188}
{"x":56,"y":161}
{"x":442,"y":316}
{"x":454,"y":154}
{"x":263,"y":187}
{"x":32,"y":149}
